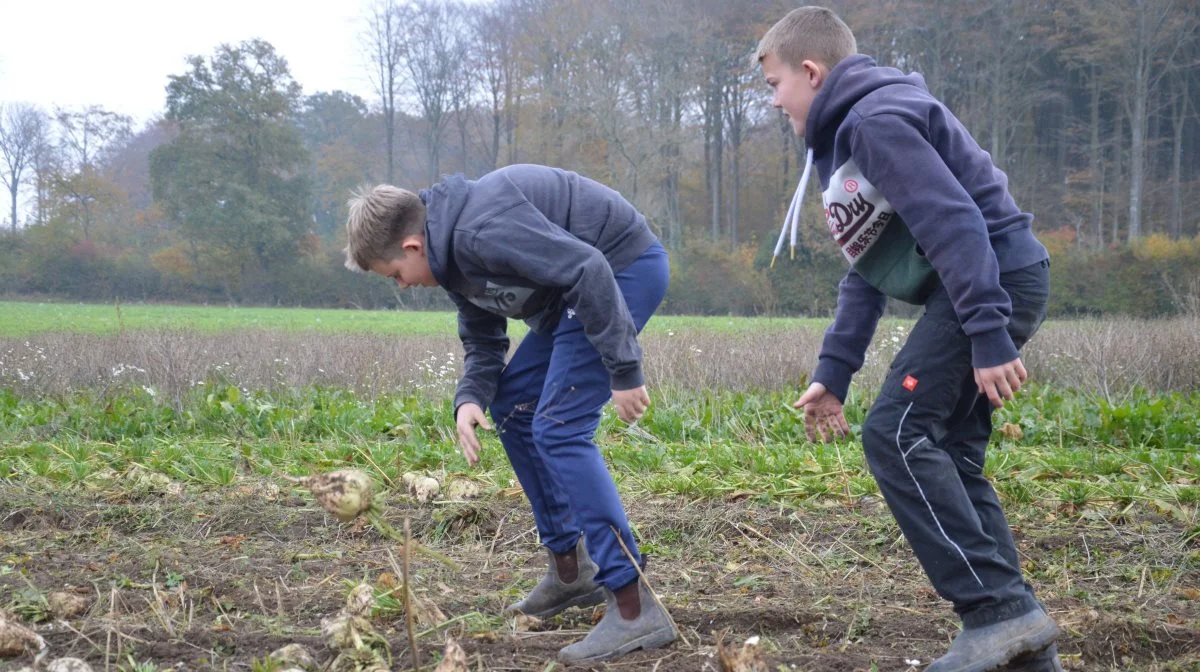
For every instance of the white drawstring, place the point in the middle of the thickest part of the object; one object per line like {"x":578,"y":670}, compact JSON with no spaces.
{"x":793,"y":216}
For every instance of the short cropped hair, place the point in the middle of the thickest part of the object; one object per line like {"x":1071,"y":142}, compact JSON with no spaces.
{"x":808,"y":33}
{"x":380,"y":217}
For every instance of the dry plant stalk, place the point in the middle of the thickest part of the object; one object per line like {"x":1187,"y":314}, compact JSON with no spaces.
{"x":408,"y":599}
{"x":649,"y":588}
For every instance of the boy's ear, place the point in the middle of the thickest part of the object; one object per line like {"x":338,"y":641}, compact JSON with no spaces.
{"x":815,"y":73}
{"x":414,"y":244}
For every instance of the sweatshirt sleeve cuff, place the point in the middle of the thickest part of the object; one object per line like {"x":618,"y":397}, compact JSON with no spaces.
{"x":628,"y":380}
{"x":467,"y":397}
{"x":834,"y":375}
{"x":992,"y":348}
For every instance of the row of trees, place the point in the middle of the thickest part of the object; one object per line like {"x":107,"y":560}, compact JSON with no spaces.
{"x":238,"y":192}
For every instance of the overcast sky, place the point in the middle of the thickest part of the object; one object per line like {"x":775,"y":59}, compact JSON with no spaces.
{"x":118,"y":53}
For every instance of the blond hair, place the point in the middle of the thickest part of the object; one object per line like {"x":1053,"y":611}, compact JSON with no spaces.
{"x":808,"y":34}
{"x":380,"y":217}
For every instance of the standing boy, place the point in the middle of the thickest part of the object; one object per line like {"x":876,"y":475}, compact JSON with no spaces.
{"x":923,"y":215}
{"x":579,"y":264}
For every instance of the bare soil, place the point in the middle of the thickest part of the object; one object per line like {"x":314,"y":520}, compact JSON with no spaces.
{"x":217,"y":580}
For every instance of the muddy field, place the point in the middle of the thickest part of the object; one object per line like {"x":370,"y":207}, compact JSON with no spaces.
{"x":220,"y":579}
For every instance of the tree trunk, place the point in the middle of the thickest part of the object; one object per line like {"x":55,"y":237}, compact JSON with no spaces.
{"x":389,"y":121}
{"x":673,"y":113}
{"x":714,"y":141}
{"x":1118,"y":174}
{"x":718,"y":183}
{"x":462,"y":139}
{"x":1137,"y":127}
{"x":997,"y":150}
{"x":735,"y":202}
{"x":1095,"y":168}
{"x":1179,"y":118}
{"x":435,"y":154}
{"x":13,"y":193}
{"x":495,"y":155}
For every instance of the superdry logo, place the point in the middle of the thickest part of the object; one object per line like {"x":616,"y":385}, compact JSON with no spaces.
{"x":855,"y":211}
{"x":845,"y":219}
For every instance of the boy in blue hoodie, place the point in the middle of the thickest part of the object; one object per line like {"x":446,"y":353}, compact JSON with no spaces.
{"x":580,"y":265}
{"x":922,"y":215}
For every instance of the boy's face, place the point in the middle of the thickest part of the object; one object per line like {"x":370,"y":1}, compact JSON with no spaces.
{"x":410,"y":268}
{"x":794,"y":88}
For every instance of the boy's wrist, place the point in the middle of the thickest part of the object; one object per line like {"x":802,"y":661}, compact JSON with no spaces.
{"x":835,"y":375}
{"x":992,"y":348}
{"x":466,"y":398}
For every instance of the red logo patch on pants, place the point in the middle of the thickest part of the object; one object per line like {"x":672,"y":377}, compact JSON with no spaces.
{"x":909,"y":383}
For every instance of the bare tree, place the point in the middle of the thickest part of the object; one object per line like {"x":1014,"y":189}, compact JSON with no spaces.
{"x":666,"y":51}
{"x":22,"y":131}
{"x":384,"y":48}
{"x":463,"y":93}
{"x":493,"y":56}
{"x":1140,"y":40}
{"x":84,"y":136}
{"x":1180,"y":103}
{"x":1096,"y":170}
{"x":739,"y":96}
{"x":46,"y":165}
{"x":1162,"y":27}
{"x":434,"y":50}
{"x":712,"y":99}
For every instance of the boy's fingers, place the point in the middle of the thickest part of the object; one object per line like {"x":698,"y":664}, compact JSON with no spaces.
{"x":623,"y":413}
{"x":1014,"y":382}
{"x":993,"y":394}
{"x":1021,"y":372}
{"x":818,"y":424}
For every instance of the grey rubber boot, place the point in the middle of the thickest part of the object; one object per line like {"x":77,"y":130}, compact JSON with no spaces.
{"x":993,"y":646}
{"x":614,"y":636}
{"x":551,"y":595}
{"x":1045,"y":660}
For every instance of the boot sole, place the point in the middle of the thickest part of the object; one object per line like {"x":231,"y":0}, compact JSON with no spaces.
{"x":654,"y":640}
{"x":1014,"y":648}
{"x":1025,"y":663}
{"x":589,"y":599}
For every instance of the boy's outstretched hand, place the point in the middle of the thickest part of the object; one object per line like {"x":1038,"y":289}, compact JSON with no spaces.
{"x":470,"y":415}
{"x":1001,"y":382}
{"x":823,"y":416}
{"x":631,"y":404}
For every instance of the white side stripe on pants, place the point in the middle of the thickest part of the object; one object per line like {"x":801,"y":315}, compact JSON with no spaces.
{"x":904,"y":456}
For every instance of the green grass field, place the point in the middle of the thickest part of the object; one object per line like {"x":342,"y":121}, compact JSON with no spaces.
{"x":23,"y":319}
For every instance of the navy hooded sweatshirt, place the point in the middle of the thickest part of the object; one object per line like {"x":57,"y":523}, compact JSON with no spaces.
{"x":526,"y":241}
{"x":914,"y":203}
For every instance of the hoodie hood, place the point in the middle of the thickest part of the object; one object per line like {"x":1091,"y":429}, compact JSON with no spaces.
{"x":849,"y":82}
{"x":443,"y":204}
